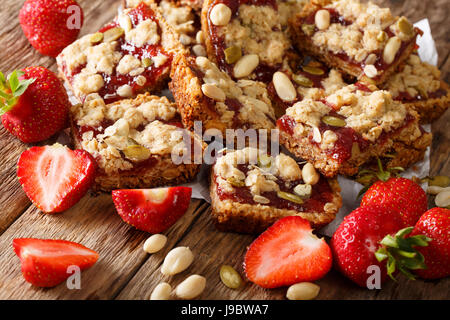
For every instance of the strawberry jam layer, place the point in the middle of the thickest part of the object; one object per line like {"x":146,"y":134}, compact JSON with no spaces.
{"x":380,"y":64}
{"x":406,"y":97}
{"x":321,"y":194}
{"x":342,"y":149}
{"x":152,"y":74}
{"x":262,"y":72}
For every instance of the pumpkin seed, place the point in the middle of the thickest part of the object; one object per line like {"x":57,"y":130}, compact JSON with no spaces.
{"x":313,"y":70}
{"x":113,"y":34}
{"x":334,"y":121}
{"x":405,"y":26}
{"x":230,"y":277}
{"x":232,"y":54}
{"x":439,"y":181}
{"x":137,"y":153}
{"x":96,"y":37}
{"x":308,"y":29}
{"x":302,"y":81}
{"x":264,"y":161}
{"x":235,"y":182}
{"x":290,"y":197}
{"x":382,"y":36}
{"x":147,"y":62}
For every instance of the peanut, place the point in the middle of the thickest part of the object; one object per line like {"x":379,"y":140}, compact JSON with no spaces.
{"x":443,"y":199}
{"x":245,"y":65}
{"x":370,"y":71}
{"x":155,"y":243}
{"x":284,"y":87}
{"x":309,"y":174}
{"x":213,"y":92}
{"x":303,"y":291}
{"x":191,"y":287}
{"x":199,"y":50}
{"x":177,"y":260}
{"x":220,"y":15}
{"x":322,"y":19}
{"x":391,"y":49}
{"x":161,"y":292}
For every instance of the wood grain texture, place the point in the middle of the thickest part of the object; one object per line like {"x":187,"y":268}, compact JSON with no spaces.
{"x":124,"y":271}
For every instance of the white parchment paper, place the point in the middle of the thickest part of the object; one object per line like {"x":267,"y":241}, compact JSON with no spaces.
{"x":350,"y":188}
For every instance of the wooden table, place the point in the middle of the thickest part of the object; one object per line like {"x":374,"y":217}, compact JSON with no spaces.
{"x":124,"y":270}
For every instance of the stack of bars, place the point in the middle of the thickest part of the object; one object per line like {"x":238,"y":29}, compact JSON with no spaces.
{"x":341,"y":80}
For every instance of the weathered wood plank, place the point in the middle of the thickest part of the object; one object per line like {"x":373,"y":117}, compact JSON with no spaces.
{"x":93,"y":223}
{"x":16,"y":53}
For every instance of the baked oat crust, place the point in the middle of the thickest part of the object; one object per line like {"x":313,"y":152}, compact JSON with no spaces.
{"x":253,"y":219}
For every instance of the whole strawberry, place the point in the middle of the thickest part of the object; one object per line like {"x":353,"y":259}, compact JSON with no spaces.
{"x":435,"y":224}
{"x":401,"y":194}
{"x":51,"y":25}
{"x":357,"y":239}
{"x":33,"y":104}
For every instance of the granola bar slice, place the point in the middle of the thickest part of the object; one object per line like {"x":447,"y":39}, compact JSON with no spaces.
{"x":134,"y":141}
{"x":341,"y":132}
{"x":361,"y":39}
{"x":250,"y":190}
{"x":132,"y":54}
{"x":205,"y":93}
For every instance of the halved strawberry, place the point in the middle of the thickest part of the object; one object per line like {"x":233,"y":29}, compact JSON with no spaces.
{"x":45,"y":262}
{"x":152,"y":210}
{"x":55,"y":177}
{"x":287,"y":253}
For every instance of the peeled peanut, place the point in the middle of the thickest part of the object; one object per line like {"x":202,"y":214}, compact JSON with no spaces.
{"x":322,"y":19}
{"x":161,"y":292}
{"x":199,"y":50}
{"x":214,"y":92}
{"x":391,"y":49}
{"x":443,"y":199}
{"x":309,"y":174}
{"x":303,"y":291}
{"x":245,"y":65}
{"x":191,"y":287}
{"x":155,"y":243}
{"x":220,"y":14}
{"x":370,"y":71}
{"x":284,"y":87}
{"x":177,"y":260}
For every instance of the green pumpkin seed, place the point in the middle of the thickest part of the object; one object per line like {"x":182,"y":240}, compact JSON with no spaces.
{"x":405,"y":26}
{"x":308,"y":29}
{"x":439,"y":181}
{"x":302,"y":80}
{"x":382,"y":36}
{"x":137,"y":153}
{"x":113,"y":34}
{"x":313,"y":70}
{"x":235,"y":182}
{"x":334,"y":121}
{"x":232,"y":54}
{"x":264,"y":161}
{"x":290,"y":197}
{"x":230,"y":277}
{"x":146,"y":62}
{"x":96,"y":38}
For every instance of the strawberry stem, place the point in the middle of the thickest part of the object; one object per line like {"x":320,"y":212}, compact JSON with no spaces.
{"x":400,"y":252}
{"x":11,"y":89}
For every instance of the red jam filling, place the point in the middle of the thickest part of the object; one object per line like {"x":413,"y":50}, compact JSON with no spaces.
{"x":380,"y":64}
{"x":406,"y":97}
{"x":321,"y":194}
{"x":112,"y":82}
{"x":263,"y":72}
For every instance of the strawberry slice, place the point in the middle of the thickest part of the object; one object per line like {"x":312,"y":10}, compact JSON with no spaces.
{"x":45,"y":262}
{"x":152,"y":210}
{"x":287,"y":253}
{"x":55,"y":177}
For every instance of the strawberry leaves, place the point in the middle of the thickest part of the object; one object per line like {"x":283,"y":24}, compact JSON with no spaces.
{"x":400,"y":252}
{"x":11,"y":89}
